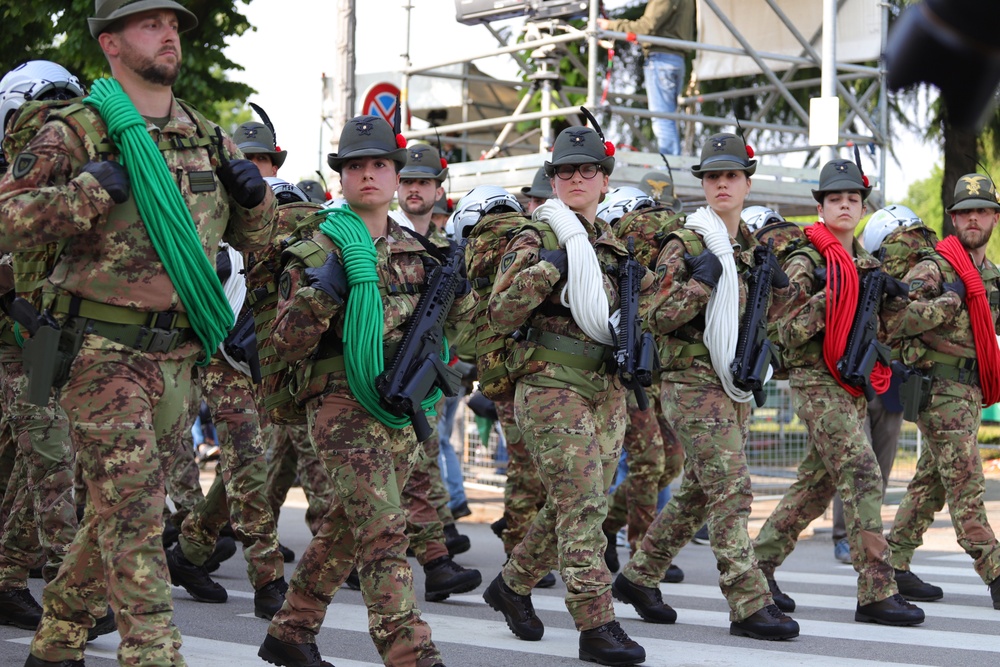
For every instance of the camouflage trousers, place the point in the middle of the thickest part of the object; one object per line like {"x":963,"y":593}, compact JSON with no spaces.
{"x":239,"y":495}
{"x":523,"y":494}
{"x":839,"y":459}
{"x":715,"y":489}
{"x":575,"y":443}
{"x":949,"y":470}
{"x":14,"y":509}
{"x":183,"y":478}
{"x":369,"y":464}
{"x":127,"y":412}
{"x":294,"y":457}
{"x":42,"y":489}
{"x":423,"y":497}
{"x":655,"y":457}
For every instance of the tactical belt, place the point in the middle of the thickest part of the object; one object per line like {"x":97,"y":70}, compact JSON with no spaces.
{"x":694,"y":350}
{"x":74,"y":306}
{"x":334,"y":364}
{"x":570,"y":352}
{"x":142,"y":338}
{"x":957,"y":369}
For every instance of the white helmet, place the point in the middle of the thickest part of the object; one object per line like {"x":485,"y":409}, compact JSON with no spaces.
{"x":479,"y":201}
{"x":758,"y":216}
{"x":35,"y":80}
{"x":336,"y":202}
{"x":620,"y":201}
{"x":883,"y":222}
{"x":284,"y":191}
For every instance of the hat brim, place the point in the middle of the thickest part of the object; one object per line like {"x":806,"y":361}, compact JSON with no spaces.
{"x":424,"y":172}
{"x":971,"y":203}
{"x":723,"y":163}
{"x":538,"y":194}
{"x":185,"y":18}
{"x":607,"y":164}
{"x":841,"y":185}
{"x":336,"y":161}
{"x":277,"y":157}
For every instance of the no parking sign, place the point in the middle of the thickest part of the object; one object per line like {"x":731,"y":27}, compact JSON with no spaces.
{"x":380,"y":100}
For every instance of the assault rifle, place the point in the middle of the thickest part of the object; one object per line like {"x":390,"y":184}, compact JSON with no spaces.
{"x":863,"y":347}
{"x":417,"y":366}
{"x":754,"y":349}
{"x":635,"y":351}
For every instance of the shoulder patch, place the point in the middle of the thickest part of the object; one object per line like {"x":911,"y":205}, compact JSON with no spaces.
{"x":506,"y":261}
{"x":23,"y":164}
{"x":285,"y":285}
{"x":661,"y":272}
{"x":915,"y":285}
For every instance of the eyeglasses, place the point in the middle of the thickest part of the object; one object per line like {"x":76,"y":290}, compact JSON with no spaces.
{"x":587,"y":171}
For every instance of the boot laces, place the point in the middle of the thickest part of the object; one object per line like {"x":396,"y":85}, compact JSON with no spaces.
{"x":617,"y":632}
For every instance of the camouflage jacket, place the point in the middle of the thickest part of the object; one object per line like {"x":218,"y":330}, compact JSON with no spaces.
{"x":676,"y":310}
{"x":264,"y":267}
{"x":939,"y":319}
{"x":526,"y":291}
{"x":109,"y":256}
{"x":306,"y":314}
{"x":799,"y":311}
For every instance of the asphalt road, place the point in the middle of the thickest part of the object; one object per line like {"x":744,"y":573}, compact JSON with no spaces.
{"x":960,"y":630}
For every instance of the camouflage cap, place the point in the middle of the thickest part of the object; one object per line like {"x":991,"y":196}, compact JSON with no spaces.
{"x":367,"y":136}
{"x":443,"y":205}
{"x":841,"y":176}
{"x":541,"y":186}
{"x":255,"y":138}
{"x":109,"y":11}
{"x":974,"y":191}
{"x":725,"y":152}
{"x":579,"y":145}
{"x":660,"y":186}
{"x":314,"y":190}
{"x":424,"y":161}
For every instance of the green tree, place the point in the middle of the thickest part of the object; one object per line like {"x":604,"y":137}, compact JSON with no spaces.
{"x":57,"y":30}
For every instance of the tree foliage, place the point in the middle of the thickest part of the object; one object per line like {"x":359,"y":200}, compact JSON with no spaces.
{"x":57,"y":30}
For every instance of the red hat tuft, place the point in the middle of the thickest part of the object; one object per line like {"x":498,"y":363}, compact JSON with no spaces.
{"x":609,"y":148}
{"x":749,"y":151}
{"x":400,"y":141}
{"x":444,"y":163}
{"x":864,"y":179}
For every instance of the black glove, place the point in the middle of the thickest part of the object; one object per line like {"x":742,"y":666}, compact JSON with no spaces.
{"x":705,"y":268}
{"x":556,"y":258}
{"x":462,"y":287}
{"x":112,"y":177}
{"x":896,"y":288}
{"x":330,"y":278}
{"x":779,"y":279}
{"x":243,"y":182}
{"x":819,"y":275}
{"x":958,"y":287}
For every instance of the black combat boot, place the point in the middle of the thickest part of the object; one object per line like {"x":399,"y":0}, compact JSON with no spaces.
{"x":673,"y":575}
{"x":20,"y":609}
{"x":104,"y":625}
{"x":267,"y":599}
{"x":444,"y":577}
{"x":766,"y":623}
{"x":456,"y":542}
{"x":647,"y":601}
{"x":548,"y":581}
{"x":286,"y":554}
{"x":353,"y":581}
{"x":32,"y":661}
{"x":611,"y":552}
{"x":783,"y":602}
{"x":913,"y":588}
{"x":193,"y":578}
{"x":995,"y":592}
{"x":893,"y":610}
{"x":225,"y":548}
{"x":277,"y":652}
{"x":610,"y":645}
{"x":516,"y":609}
{"x":499,"y":526}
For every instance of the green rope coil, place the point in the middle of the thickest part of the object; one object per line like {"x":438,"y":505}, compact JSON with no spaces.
{"x":166,"y":217}
{"x":364,"y":319}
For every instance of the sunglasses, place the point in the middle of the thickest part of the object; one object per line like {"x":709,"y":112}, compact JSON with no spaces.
{"x":587,"y":171}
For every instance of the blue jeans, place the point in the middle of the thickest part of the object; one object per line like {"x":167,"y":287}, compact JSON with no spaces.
{"x":664,"y":81}
{"x":662,"y":498}
{"x":451,"y":468}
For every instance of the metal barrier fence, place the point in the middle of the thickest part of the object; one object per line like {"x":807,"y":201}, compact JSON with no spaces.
{"x":777,"y":444}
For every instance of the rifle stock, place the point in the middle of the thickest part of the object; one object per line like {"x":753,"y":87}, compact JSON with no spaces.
{"x":863,"y":348}
{"x":754,"y":350}
{"x":635,"y":351}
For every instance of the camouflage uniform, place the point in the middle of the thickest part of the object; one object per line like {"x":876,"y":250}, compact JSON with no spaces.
{"x":368,"y":462}
{"x":41,"y":435}
{"x":655,"y":458}
{"x":523,"y":494}
{"x":840,"y":457}
{"x":573,"y":421}
{"x":231,"y":398}
{"x":949,"y":469}
{"x":122,"y":403}
{"x":712,"y":429}
{"x":294,"y":457}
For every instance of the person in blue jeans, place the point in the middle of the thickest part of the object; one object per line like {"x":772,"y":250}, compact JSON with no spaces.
{"x":665,"y":68}
{"x":451,"y":467}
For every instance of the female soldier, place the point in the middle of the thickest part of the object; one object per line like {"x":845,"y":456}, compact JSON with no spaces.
{"x":568,"y":403}
{"x":711,"y":416}
{"x":328,"y":310}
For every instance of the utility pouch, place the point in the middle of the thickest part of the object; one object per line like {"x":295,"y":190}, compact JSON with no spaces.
{"x":914,"y":393}
{"x":41,"y":361}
